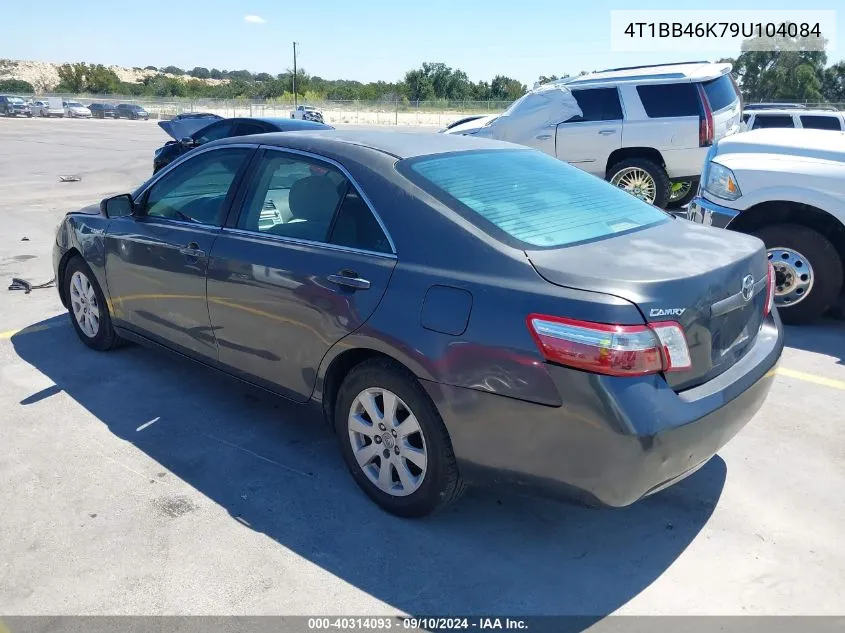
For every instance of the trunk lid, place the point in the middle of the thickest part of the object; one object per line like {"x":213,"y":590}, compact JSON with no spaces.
{"x":676,"y":271}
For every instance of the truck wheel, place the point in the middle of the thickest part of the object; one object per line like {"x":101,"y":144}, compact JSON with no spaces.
{"x":681,"y":193}
{"x":642,"y":178}
{"x":808,"y":271}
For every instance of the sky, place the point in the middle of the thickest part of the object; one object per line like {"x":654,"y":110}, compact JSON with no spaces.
{"x":366,"y":40}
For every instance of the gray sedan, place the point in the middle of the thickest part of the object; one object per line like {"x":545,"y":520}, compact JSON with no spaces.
{"x":460,"y":309}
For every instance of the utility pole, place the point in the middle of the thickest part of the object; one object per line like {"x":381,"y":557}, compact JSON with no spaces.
{"x":295,"y":102}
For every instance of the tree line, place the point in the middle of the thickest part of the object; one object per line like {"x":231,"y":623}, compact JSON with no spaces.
{"x":787,"y":72}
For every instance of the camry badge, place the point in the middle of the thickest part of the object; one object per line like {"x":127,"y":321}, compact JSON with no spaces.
{"x":747,"y":287}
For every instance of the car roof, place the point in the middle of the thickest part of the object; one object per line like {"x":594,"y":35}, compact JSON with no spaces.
{"x":288,"y":123}
{"x":397,"y":144}
{"x":798,"y":111}
{"x":664,"y":73}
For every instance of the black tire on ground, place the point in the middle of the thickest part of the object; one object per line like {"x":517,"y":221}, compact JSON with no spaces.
{"x":106,"y":338}
{"x":658,"y":174}
{"x":826,"y":264}
{"x":442,"y":483}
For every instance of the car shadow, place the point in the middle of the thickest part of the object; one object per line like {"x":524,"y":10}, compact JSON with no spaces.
{"x":276,"y":469}
{"x":826,"y":337}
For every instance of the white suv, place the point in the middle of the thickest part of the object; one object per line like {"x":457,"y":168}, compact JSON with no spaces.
{"x":646,"y":129}
{"x":793,"y":116}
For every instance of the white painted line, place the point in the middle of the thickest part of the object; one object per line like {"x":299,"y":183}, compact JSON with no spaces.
{"x":146,"y":424}
{"x":256,"y":455}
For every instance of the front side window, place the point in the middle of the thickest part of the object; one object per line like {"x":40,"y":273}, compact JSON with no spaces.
{"x":598,"y":104}
{"x":772,"y":120}
{"x":528,"y":199}
{"x":214,"y":132}
{"x":196,"y":190}
{"x":669,"y":100}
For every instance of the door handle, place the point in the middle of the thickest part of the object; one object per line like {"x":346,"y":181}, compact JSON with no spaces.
{"x":606,"y":132}
{"x":349,"y":279}
{"x":192,"y":250}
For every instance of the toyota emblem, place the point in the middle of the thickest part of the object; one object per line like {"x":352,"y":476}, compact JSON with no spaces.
{"x":747,"y":287}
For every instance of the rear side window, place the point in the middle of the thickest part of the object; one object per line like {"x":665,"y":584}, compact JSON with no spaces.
{"x":669,"y":100}
{"x":720,"y":92}
{"x":528,"y":199}
{"x":772,"y":120}
{"x":820,"y":122}
{"x":599,"y":104}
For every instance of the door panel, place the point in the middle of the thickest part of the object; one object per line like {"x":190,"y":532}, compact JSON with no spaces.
{"x":276,"y":314}
{"x":156,"y":261}
{"x":587,"y":141}
{"x":307,"y":263}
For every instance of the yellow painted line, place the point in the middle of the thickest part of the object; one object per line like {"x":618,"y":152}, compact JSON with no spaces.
{"x":27,"y":330}
{"x":3,"y":628}
{"x":817,"y":380}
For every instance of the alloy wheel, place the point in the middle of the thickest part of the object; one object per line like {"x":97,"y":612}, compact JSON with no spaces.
{"x":84,"y":304}
{"x":793,"y":276}
{"x":679,"y":190}
{"x":387,"y":442}
{"x":636,"y":181}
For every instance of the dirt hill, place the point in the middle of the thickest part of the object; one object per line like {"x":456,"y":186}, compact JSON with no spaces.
{"x":45,"y":75}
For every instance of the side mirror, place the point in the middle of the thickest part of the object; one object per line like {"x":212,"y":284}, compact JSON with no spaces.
{"x":121,"y":206}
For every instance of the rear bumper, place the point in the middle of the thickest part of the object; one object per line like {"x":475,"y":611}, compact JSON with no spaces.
{"x":615,"y":440}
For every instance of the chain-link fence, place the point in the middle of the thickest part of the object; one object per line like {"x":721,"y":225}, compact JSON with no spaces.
{"x":399,"y":112}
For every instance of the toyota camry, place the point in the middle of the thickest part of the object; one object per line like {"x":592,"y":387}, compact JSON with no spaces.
{"x":460,"y":309}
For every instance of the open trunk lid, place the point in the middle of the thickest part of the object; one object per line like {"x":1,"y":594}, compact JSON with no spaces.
{"x":676,"y":271}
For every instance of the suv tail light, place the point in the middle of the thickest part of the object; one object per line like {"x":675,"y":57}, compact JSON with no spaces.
{"x":614,"y":350}
{"x":706,"y":129}
{"x":770,"y":291}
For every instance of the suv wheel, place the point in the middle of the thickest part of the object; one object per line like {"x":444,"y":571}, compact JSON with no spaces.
{"x":681,"y":193}
{"x":642,"y":178}
{"x":808,"y":271}
{"x":394,"y":441}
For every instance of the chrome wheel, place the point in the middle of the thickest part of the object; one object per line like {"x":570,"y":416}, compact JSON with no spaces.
{"x":387,"y":442}
{"x":793,"y":276}
{"x":83,"y":301}
{"x":679,"y":190}
{"x":636,"y":181}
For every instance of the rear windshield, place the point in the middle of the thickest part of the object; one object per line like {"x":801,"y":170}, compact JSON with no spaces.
{"x":720,"y":92}
{"x":529,"y":199}
{"x":820,"y":122}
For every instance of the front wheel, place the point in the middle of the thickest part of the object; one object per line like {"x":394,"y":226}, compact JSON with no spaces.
{"x":89,"y":311}
{"x":642,"y":178}
{"x":808,"y":271}
{"x":394,"y":441}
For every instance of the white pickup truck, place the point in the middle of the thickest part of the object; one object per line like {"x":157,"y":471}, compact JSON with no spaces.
{"x":787,"y":187}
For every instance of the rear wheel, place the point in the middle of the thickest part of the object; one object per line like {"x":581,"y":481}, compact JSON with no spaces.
{"x":89,"y":311}
{"x":642,"y":178}
{"x":394,"y":441}
{"x":808,"y":271}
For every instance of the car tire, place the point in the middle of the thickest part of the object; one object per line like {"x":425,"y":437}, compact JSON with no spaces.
{"x":677,"y":203}
{"x":800,"y":251}
{"x":80,"y":282}
{"x":637,"y":168}
{"x":430,"y":479}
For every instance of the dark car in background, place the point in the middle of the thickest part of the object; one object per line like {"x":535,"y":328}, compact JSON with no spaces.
{"x":103,"y":111}
{"x":193,"y":131}
{"x":130,"y":111}
{"x":14,"y":106}
{"x":561,"y":333}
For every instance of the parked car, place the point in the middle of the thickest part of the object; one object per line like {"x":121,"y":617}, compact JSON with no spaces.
{"x":75,"y":110}
{"x":786,"y":187}
{"x":646,"y":129}
{"x":794,"y":117}
{"x":103,"y":110}
{"x":47,"y":107}
{"x":14,"y":106}
{"x":130,"y":111}
{"x":188,"y":133}
{"x":307,"y":113}
{"x":562,"y":333}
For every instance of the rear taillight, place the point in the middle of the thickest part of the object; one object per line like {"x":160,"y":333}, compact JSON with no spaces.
{"x":770,"y":291}
{"x":614,"y":350}
{"x":706,"y":130}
